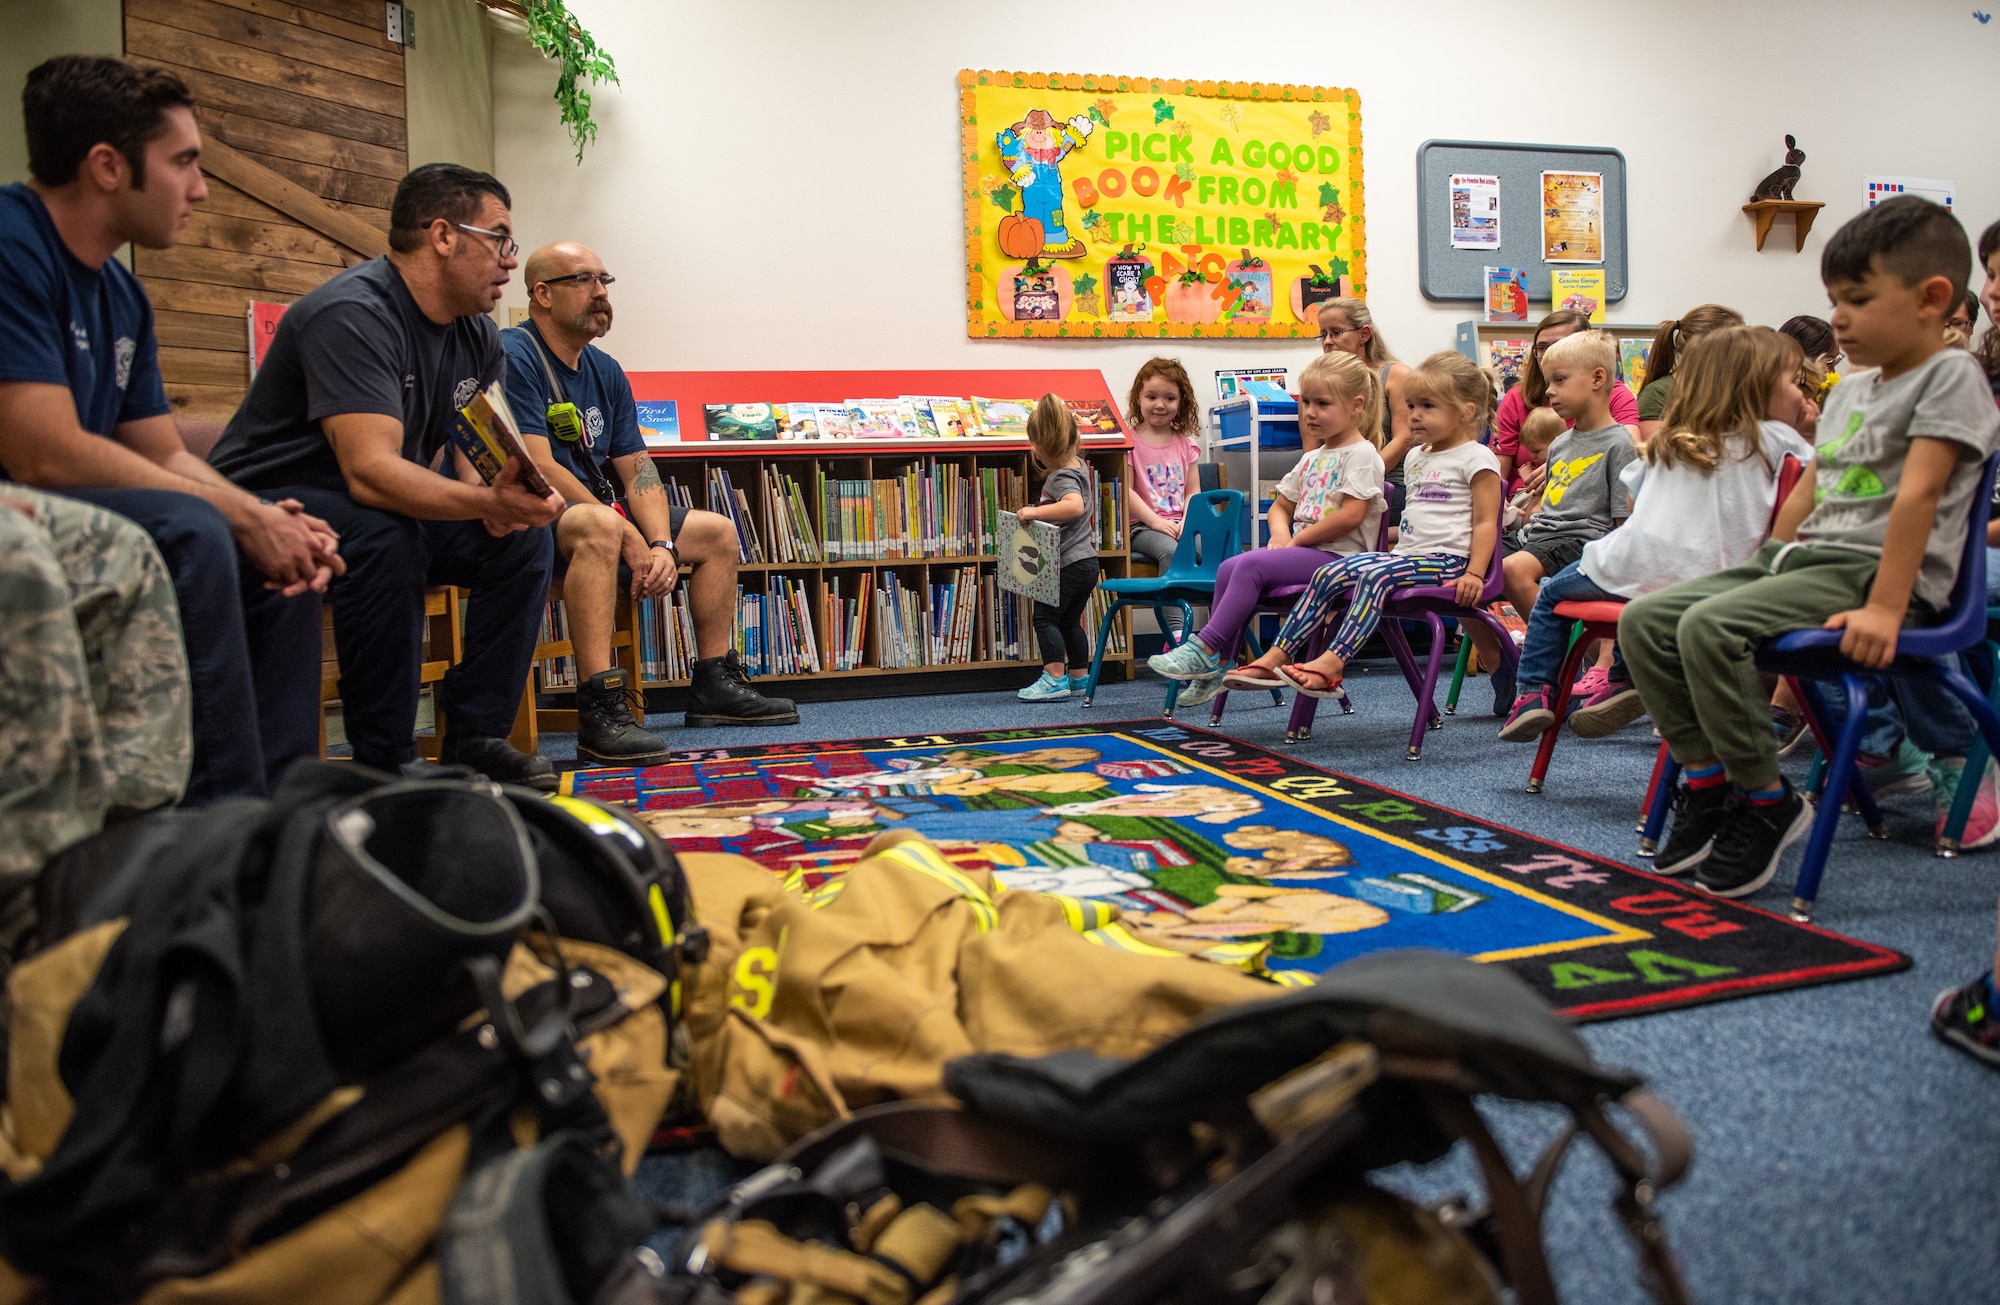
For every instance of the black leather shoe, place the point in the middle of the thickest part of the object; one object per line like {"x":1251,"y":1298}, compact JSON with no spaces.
{"x":499,"y":761}
{"x":605,"y":732}
{"x":721,"y":695}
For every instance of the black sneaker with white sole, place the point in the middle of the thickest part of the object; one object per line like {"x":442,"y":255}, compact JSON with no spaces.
{"x":1968,"y":1018}
{"x":1698,"y":814}
{"x":1751,"y":841}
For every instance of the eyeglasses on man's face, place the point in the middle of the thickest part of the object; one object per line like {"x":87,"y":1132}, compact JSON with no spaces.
{"x":507,"y":245}
{"x":604,"y":279}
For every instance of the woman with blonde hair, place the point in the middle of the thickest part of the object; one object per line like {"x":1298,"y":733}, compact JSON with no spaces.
{"x":1346,"y":326}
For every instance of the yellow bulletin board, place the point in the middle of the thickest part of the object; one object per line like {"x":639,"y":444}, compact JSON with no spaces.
{"x":1101,"y":207}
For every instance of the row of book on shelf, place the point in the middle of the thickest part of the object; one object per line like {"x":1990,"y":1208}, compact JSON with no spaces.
{"x":906,"y":417}
{"x":928,"y":510}
{"x":959,"y":618}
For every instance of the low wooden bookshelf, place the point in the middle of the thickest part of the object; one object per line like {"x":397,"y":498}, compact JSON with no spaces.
{"x":815,"y":467}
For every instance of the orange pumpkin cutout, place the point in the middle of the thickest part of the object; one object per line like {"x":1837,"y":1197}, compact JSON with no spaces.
{"x":1019,"y":237}
{"x":1038,"y":292}
{"x":1189,"y":299}
{"x":1310,"y":291}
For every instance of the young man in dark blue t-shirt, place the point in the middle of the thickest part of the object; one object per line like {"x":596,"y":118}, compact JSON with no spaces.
{"x":618,"y":528}
{"x":350,"y":414}
{"x":113,"y":151}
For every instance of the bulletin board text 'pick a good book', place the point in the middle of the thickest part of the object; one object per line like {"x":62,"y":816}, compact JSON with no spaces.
{"x":1111,"y":207}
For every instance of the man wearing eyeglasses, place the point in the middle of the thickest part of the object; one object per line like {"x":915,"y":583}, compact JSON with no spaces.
{"x":350,"y":414}
{"x":618,"y":529}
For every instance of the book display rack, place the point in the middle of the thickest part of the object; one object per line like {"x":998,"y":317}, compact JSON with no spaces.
{"x":862,"y":558}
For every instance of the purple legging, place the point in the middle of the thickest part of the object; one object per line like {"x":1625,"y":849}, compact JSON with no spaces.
{"x":1244,"y":579}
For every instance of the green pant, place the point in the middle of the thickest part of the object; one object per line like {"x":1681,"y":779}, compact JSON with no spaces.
{"x":1689,"y":649}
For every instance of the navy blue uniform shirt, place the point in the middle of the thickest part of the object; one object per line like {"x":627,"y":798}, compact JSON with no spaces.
{"x":359,"y":343}
{"x":61,"y":323}
{"x":602,"y":395}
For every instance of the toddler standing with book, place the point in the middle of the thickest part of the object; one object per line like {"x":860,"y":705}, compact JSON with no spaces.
{"x":1068,"y":504}
{"x":1330,"y":503}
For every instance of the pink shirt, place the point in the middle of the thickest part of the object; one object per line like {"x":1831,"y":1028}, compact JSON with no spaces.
{"x":1514,"y":411}
{"x":1163,"y":474}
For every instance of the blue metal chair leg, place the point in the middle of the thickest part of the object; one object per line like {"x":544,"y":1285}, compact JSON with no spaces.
{"x":1841,"y":775}
{"x":1656,"y":814}
{"x":1097,"y":657}
{"x":1983,"y":711}
{"x":1950,"y":840}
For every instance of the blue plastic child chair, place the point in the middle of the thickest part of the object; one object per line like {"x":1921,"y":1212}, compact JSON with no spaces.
{"x":1922,"y":652}
{"x":1211,"y":530}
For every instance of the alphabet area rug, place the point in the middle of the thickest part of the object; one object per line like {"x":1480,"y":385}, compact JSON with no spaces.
{"x":1211,"y":847}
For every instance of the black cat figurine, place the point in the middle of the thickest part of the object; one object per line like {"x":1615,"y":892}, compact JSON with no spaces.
{"x":1779,"y":184}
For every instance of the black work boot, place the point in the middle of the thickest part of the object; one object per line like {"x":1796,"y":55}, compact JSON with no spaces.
{"x":498,"y":760}
{"x":721,"y":695}
{"x":605,"y":733}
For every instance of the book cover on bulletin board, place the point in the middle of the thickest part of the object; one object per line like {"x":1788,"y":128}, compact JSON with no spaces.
{"x":1030,"y":558}
{"x":1506,"y":294}
{"x":1581,"y":288}
{"x":659,"y":423}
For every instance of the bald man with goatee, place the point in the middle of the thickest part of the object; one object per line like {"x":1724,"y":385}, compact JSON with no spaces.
{"x":618,"y":530}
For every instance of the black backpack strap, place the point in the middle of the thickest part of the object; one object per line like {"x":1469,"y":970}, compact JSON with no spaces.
{"x":1641,"y":1181}
{"x":1516,"y":1219}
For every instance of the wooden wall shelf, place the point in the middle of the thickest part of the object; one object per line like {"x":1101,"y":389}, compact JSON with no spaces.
{"x":1764,"y":212}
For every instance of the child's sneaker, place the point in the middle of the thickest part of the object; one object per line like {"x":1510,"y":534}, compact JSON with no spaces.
{"x":1908,"y":771}
{"x":1531,"y":718}
{"x":1078,"y":683}
{"x":1789,"y":728}
{"x":1698,"y":814}
{"x":1503,"y":686}
{"x":1613,"y":707}
{"x":1589,"y":684}
{"x":1751,"y":841}
{"x":1969,"y":1018}
{"x":1199,"y":691}
{"x":1982,"y":824}
{"x":1050,"y":688}
{"x":1189,"y":659}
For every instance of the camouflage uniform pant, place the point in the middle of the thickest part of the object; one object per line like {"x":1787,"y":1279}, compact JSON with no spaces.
{"x":93,"y":677}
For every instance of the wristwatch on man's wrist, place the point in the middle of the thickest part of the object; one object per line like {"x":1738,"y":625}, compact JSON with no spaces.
{"x":667,"y":544}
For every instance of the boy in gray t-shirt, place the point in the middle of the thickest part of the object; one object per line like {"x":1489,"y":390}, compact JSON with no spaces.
{"x":1898,"y":465}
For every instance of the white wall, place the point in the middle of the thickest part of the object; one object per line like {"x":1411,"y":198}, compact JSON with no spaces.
{"x":777,"y":183}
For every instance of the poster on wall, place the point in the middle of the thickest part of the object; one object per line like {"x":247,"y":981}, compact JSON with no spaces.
{"x":1103,"y":206}
{"x":1475,"y":211}
{"x":1880,"y":188}
{"x":1572,"y":217}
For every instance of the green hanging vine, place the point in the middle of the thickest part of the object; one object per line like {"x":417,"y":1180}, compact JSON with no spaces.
{"x":559,"y":36}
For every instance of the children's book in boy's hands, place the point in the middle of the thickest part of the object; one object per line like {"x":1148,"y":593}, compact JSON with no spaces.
{"x":1007,"y":417}
{"x":1030,"y":558}
{"x":876,"y":419}
{"x":1579,"y":288}
{"x":1506,"y":294}
{"x":1094,"y":417}
{"x":1632,"y":363}
{"x":835,"y":422}
{"x":740,"y":421}
{"x":487,"y":434}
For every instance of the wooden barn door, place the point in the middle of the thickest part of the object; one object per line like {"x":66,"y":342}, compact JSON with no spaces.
{"x":302,"y":115}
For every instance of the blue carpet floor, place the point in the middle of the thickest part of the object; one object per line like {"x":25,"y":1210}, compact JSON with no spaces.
{"x":1841,"y":1154}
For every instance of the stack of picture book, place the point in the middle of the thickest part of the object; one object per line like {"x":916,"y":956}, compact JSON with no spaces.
{"x":729,"y":501}
{"x":906,"y":417}
{"x":774,"y":629}
{"x":785,"y":508}
{"x":848,"y":602}
{"x":556,"y":672}
{"x":925,"y":510}
{"x":666,"y":637}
